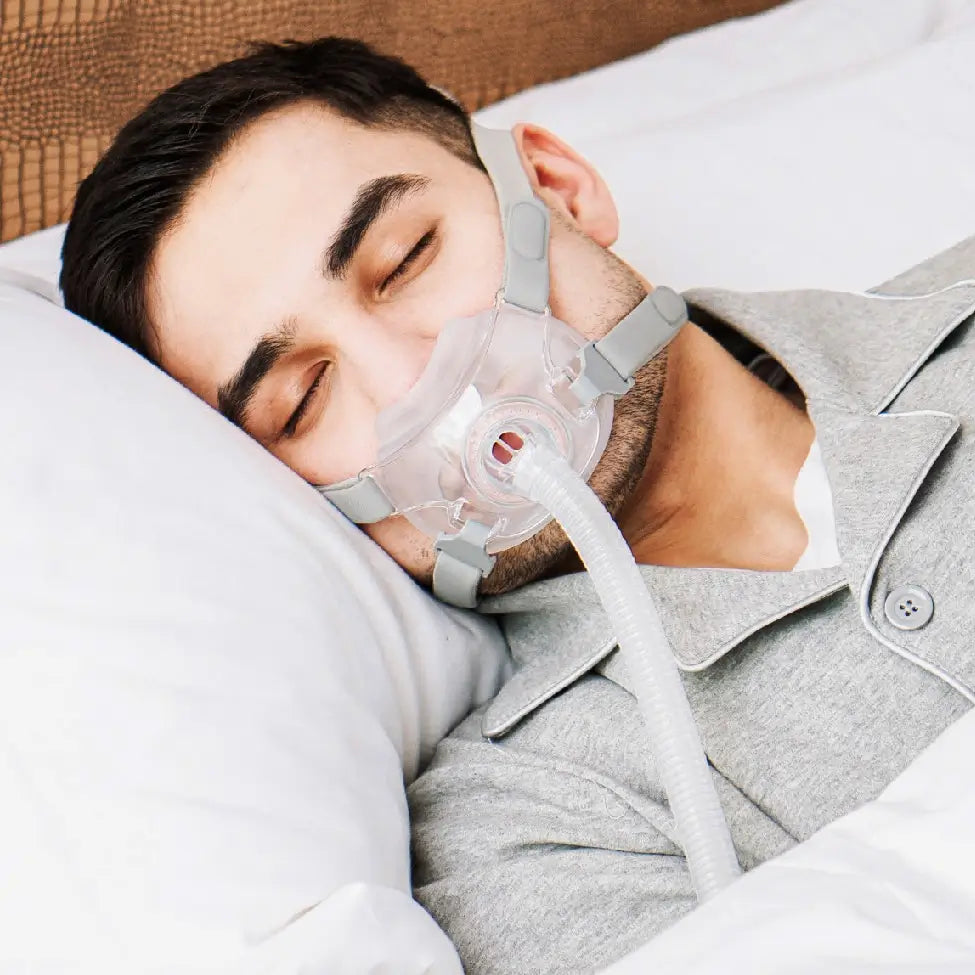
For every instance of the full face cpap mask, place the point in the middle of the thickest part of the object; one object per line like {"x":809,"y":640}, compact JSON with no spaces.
{"x":509,"y":370}
{"x":499,"y":434}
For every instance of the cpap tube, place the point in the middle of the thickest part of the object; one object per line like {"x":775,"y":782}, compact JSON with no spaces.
{"x":537,"y":471}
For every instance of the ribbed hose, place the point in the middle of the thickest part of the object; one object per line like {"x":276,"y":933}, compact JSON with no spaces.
{"x":542,"y":475}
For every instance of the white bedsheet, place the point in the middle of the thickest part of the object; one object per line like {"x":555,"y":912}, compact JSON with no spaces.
{"x":889,"y":888}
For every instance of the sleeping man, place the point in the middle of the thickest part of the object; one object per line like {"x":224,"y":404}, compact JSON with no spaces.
{"x":287,"y":234}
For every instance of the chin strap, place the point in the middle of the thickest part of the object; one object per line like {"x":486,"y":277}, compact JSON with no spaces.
{"x":606,"y":366}
{"x":462,"y":561}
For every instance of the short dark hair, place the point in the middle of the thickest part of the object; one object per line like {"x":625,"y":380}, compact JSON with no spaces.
{"x":140,"y":186}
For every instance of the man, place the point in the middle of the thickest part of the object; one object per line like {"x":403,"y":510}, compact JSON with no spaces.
{"x":286,"y":235}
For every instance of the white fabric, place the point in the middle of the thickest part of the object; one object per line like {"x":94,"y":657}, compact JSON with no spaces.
{"x":211,"y":686}
{"x":814,"y":502}
{"x":888,"y":888}
{"x":824,"y":144}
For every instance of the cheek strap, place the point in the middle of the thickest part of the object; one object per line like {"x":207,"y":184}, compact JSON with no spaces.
{"x":609,"y":365}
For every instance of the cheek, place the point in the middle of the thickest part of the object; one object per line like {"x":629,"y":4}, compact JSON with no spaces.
{"x":469,"y":272}
{"x":407,"y":545}
{"x":342,"y":444}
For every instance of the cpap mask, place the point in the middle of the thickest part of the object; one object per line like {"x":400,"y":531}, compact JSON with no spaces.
{"x":512,"y":372}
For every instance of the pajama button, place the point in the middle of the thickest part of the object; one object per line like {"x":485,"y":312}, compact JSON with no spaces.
{"x":909,"y":607}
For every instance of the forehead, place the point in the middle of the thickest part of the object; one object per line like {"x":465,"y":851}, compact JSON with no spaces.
{"x":252,"y":231}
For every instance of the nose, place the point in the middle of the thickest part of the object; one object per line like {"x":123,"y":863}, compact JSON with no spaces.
{"x":386,"y":360}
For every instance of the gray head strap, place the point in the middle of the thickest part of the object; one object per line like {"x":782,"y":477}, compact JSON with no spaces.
{"x":462,"y":559}
{"x":524,"y":220}
{"x":608,"y":366}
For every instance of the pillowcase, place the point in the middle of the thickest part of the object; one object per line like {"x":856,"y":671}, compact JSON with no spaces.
{"x":822,"y":144}
{"x":212,"y":685}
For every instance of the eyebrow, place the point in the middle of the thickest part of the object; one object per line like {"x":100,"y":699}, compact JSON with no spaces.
{"x":372,"y":200}
{"x":234,"y":397}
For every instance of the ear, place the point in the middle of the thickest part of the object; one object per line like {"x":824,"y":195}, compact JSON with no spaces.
{"x":567,"y":182}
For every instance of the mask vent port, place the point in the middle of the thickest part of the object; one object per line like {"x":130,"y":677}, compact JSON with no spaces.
{"x":506,"y":445}
{"x":500,"y":450}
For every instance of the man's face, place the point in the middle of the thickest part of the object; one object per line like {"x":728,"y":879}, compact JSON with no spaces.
{"x":305,"y":283}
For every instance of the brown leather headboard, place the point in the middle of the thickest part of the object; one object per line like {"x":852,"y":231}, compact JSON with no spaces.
{"x":72,"y":71}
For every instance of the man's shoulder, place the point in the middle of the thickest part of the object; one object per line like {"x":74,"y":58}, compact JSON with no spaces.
{"x":855,"y":349}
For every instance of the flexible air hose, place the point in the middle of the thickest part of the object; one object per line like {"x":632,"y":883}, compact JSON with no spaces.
{"x":541,"y":474}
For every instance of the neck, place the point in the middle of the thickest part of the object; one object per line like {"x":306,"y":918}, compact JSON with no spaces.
{"x":718,"y":488}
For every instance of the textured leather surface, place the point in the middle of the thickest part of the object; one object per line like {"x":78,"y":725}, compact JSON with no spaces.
{"x":72,"y":71}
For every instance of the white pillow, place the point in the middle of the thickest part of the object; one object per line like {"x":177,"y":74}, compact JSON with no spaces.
{"x":211,"y":685}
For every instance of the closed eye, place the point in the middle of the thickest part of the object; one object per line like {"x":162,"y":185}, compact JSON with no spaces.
{"x":418,"y":248}
{"x":289,"y":429}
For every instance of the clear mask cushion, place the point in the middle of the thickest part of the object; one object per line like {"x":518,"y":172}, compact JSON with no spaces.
{"x":491,"y":380}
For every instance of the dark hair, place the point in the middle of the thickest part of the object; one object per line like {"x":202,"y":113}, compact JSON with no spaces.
{"x":141,"y":184}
